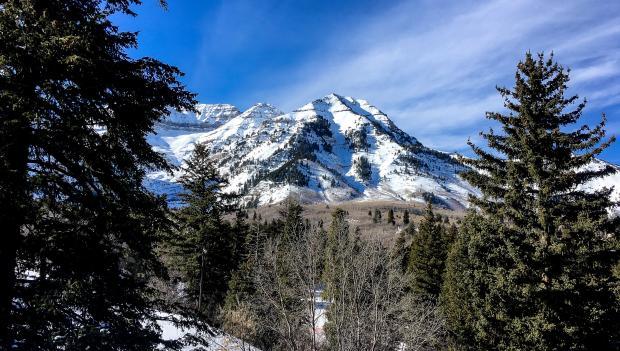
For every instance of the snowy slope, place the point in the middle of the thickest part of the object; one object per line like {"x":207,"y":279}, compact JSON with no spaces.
{"x":333,"y":149}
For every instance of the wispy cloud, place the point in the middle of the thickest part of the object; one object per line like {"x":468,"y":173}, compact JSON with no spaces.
{"x":433,"y":65}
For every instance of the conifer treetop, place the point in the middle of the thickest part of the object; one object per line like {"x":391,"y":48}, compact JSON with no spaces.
{"x":537,"y":153}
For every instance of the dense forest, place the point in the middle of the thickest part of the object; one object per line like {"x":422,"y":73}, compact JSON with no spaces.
{"x":90,"y":260}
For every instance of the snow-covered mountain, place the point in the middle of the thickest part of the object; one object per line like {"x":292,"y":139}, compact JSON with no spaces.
{"x":207,"y":116}
{"x":332,"y":149}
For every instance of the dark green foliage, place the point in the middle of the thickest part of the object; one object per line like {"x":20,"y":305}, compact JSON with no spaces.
{"x":303,"y":148}
{"x":390,"y":217}
{"x":376,"y":218}
{"x":293,"y":221}
{"x":289,"y":172}
{"x":320,"y":127}
{"x":412,"y":163}
{"x":434,"y":200}
{"x":450,"y":233}
{"x":358,"y":139}
{"x":406,"y":217}
{"x":363,"y":168}
{"x":427,"y":258}
{"x":455,"y":299}
{"x":74,"y":113}
{"x":204,"y":251}
{"x":544,"y":248}
{"x":402,"y":247}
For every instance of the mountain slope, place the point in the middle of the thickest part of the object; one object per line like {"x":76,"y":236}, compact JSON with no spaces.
{"x":333,"y":149}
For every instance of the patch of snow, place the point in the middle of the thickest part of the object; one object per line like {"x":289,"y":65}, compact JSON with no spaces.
{"x":218,"y":342}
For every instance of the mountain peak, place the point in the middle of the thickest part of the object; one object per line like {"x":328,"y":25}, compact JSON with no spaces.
{"x":262,"y":110}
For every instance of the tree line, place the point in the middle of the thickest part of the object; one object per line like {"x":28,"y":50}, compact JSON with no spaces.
{"x":91,"y":260}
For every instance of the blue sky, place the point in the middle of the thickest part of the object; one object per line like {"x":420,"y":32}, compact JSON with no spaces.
{"x":431,"y":65}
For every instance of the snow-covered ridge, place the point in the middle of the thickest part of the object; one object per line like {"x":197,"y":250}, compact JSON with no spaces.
{"x":206,"y":116}
{"x":332,"y":149}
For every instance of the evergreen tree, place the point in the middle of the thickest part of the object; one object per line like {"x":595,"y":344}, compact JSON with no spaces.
{"x":402,"y":247}
{"x":240,"y":231}
{"x":450,"y":234}
{"x":293,"y":221}
{"x":74,"y":113}
{"x":390,"y":217}
{"x":427,"y":258}
{"x":376,"y":218}
{"x":406,"y":217}
{"x":543,"y":260}
{"x":363,"y":168}
{"x":204,"y":250}
{"x":455,"y":298}
{"x":237,"y":315}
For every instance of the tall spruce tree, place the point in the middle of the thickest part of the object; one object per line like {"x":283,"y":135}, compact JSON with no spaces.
{"x":293,"y":221}
{"x":402,"y":247}
{"x":204,"y":249}
{"x":78,"y":227}
{"x":543,"y":260}
{"x":376,"y":217}
{"x":427,"y":257}
{"x":390,"y":217}
{"x":455,"y":299}
{"x":406,"y":217}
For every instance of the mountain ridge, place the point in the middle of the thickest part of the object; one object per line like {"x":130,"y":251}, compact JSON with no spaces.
{"x":332,"y":149}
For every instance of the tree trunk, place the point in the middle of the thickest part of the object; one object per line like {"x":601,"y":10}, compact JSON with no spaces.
{"x":13,"y":205}
{"x":202,"y":267}
{"x":8,"y":251}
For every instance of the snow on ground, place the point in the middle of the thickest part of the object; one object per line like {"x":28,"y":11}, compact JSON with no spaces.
{"x":320,"y":314}
{"x":225,"y":342}
{"x":219,"y":342}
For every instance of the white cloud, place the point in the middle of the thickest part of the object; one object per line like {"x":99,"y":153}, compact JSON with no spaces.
{"x":433,"y":66}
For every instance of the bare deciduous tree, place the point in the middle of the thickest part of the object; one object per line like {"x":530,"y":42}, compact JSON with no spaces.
{"x":422,"y":325}
{"x":362,"y":314}
{"x":286,"y":277}
{"x":371,"y":307}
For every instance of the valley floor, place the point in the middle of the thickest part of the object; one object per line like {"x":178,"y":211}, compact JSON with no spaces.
{"x":359,"y":215}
